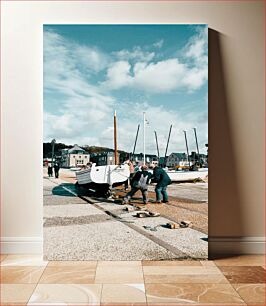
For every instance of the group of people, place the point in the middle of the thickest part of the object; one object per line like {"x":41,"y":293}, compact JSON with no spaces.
{"x":141,"y":177}
{"x":56,"y":170}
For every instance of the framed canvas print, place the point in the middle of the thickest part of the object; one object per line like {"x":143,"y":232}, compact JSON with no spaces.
{"x":125,"y":148}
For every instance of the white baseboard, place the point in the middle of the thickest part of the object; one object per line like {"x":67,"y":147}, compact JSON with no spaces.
{"x":21,"y":245}
{"x":236,"y":245}
{"x":217,"y":245}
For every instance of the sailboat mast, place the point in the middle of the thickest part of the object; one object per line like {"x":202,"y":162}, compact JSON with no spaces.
{"x":135,"y":141}
{"x":185,"y":133}
{"x":196,"y":142}
{"x":115,"y":140}
{"x":158,"y":153}
{"x":144,"y":140}
{"x":167,"y":144}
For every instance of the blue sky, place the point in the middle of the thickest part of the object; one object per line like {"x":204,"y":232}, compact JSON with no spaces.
{"x":92,"y":70}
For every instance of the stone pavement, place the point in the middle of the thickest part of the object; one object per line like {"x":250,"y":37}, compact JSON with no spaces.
{"x":77,"y":230}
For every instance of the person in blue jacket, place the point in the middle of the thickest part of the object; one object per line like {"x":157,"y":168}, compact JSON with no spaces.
{"x":163,"y":180}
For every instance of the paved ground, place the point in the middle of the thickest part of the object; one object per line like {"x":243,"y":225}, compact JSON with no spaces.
{"x":197,"y":192}
{"x":93,"y":229}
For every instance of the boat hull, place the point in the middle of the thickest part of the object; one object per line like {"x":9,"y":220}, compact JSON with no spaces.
{"x":84,"y":176}
{"x":109,"y":174}
{"x":187,"y":176}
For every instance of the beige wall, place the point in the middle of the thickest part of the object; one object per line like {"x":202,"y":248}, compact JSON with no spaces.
{"x":236,"y":105}
{"x":75,"y":159}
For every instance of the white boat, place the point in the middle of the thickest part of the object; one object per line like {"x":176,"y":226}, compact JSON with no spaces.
{"x":187,"y":176}
{"x":109,"y":174}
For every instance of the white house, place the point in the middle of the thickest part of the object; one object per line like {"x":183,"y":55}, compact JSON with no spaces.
{"x":177,"y":160}
{"x":74,"y":157}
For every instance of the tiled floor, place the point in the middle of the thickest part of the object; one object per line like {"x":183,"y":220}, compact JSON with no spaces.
{"x":28,"y":280}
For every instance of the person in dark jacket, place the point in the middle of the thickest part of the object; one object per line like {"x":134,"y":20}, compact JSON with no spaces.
{"x":56,"y":170}
{"x":163,"y":180}
{"x":50,"y":170}
{"x":140,"y":181}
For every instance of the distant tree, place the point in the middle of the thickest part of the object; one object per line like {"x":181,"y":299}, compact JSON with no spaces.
{"x":47,"y":149}
{"x":97,"y":149}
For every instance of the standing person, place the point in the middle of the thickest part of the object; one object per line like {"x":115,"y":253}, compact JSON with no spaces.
{"x":163,"y":180}
{"x":131,"y":171}
{"x":140,"y":182}
{"x":56,"y":170}
{"x":50,"y":170}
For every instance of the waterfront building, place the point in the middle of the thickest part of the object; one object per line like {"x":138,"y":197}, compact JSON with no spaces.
{"x":74,"y":157}
{"x":177,"y":160}
{"x":104,"y":158}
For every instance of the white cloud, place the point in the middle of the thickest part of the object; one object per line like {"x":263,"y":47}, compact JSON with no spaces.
{"x":159,"y":43}
{"x":162,"y":76}
{"x":81,"y":105}
{"x":130,"y":114}
{"x":195,"y":78}
{"x":118,"y":75}
{"x":84,"y":112}
{"x":80,"y":121}
{"x":165,"y":75}
{"x":197,"y":47}
{"x":91,"y":58}
{"x":160,"y":120}
{"x":62,"y":55}
{"x":137,"y":54}
{"x":159,"y":77}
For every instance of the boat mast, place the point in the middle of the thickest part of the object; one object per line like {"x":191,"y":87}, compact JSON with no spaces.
{"x":167,"y":145}
{"x":196,"y":143}
{"x":158,"y":153}
{"x":144,"y":123}
{"x":115,"y":140}
{"x":185,"y":133}
{"x":135,"y":141}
